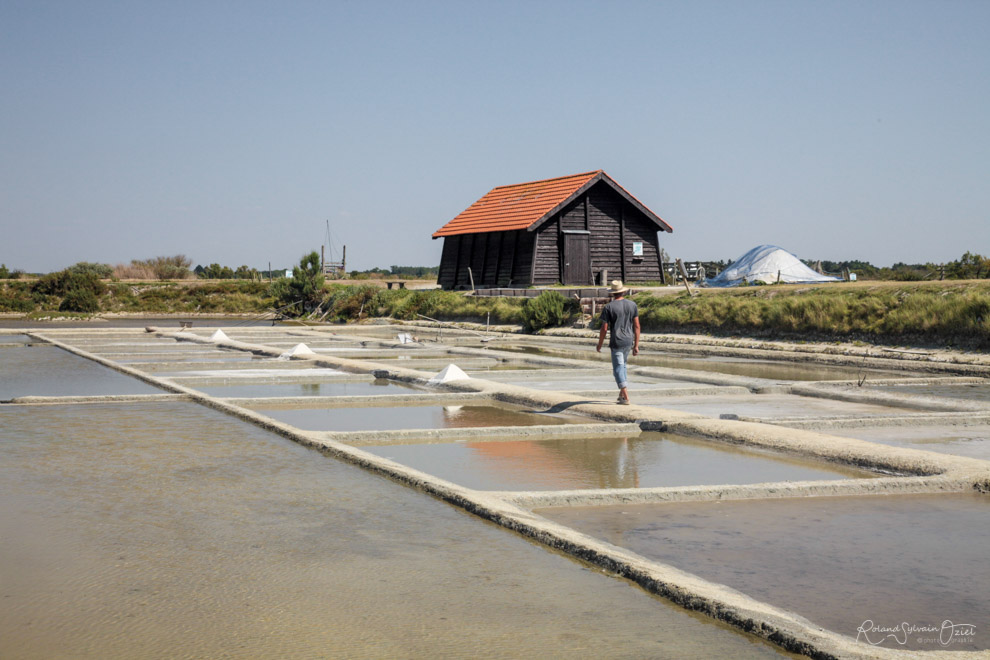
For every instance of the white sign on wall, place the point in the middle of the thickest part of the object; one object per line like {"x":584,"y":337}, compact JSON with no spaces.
{"x":637,"y":248}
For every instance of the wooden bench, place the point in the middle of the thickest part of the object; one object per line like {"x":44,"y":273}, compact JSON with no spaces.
{"x":185,"y":324}
{"x":402,"y":285}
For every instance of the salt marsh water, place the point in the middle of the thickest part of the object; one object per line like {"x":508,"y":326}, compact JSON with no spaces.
{"x":168,"y":530}
{"x":345,"y":388}
{"x":40,"y":370}
{"x":646,"y":461}
{"x":411,"y":417}
{"x":964,"y":440}
{"x":920,"y":559}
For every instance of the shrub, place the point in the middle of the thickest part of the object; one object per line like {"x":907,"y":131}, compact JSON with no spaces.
{"x":549,"y":308}
{"x":305,"y":287}
{"x":102,"y":271}
{"x":80,"y":300}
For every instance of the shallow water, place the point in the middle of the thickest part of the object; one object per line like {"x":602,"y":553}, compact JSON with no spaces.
{"x":169,"y":530}
{"x":971,"y":441}
{"x":238,"y":372}
{"x":603,"y":382}
{"x":765,"y":406}
{"x":362,"y":388}
{"x":969,"y":392}
{"x":649,"y":460}
{"x":50,"y":371}
{"x":839,"y":561}
{"x":771,"y":370}
{"x":411,"y":417}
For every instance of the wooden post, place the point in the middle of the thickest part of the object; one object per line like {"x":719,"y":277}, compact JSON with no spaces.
{"x":622,"y":242}
{"x":687,"y":285}
{"x":663,"y":271}
{"x":471,"y":275}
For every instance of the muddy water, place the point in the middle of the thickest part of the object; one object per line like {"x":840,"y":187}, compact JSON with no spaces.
{"x":971,"y":441}
{"x":764,"y":405}
{"x":840,"y":562}
{"x":649,"y":460}
{"x":14,"y":339}
{"x":412,"y":417}
{"x":50,"y":371}
{"x":363,"y":388}
{"x":770,"y":370}
{"x":168,"y":530}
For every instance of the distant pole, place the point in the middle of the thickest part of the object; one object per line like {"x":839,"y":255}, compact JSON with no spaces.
{"x":269,"y":272}
{"x":343,"y":263}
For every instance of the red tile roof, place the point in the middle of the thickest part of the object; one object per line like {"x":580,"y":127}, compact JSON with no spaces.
{"x":522,"y":205}
{"x":514,"y":207}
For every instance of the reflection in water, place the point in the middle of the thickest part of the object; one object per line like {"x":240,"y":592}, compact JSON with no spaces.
{"x":837,"y":560}
{"x":410,"y":417}
{"x":170,"y":530}
{"x":650,"y":460}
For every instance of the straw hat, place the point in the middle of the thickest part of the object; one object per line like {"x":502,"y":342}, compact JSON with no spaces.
{"x":617,"y":288}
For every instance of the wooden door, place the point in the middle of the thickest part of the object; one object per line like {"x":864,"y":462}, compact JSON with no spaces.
{"x":577,"y":258}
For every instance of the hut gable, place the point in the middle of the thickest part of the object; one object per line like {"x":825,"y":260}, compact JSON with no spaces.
{"x":568,"y":229}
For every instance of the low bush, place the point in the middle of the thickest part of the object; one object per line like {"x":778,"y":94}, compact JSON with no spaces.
{"x":549,"y":309}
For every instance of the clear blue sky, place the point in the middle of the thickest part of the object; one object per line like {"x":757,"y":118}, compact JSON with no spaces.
{"x":232,"y":131}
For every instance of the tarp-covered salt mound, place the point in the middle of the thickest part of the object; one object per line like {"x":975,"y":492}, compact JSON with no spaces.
{"x":768,"y":264}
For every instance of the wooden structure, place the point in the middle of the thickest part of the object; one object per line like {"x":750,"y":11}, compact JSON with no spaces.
{"x":581,"y":230}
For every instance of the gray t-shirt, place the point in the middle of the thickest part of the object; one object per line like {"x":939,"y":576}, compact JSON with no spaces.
{"x":619,"y":315}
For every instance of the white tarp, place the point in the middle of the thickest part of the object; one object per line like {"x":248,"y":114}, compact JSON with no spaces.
{"x":768,"y":264}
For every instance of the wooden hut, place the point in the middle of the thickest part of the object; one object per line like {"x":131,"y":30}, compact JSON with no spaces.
{"x":568,"y":230}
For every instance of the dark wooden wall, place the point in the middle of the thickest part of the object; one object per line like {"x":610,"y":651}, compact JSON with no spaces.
{"x":507,"y":258}
{"x":501,"y":258}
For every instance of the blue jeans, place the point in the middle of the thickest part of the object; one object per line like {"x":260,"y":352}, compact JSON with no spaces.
{"x":620,"y":357}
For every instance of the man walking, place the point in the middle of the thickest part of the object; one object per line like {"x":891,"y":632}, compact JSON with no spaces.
{"x":621,"y":316}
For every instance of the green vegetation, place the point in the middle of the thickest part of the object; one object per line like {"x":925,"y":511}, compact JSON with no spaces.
{"x":549,"y":309}
{"x":218,"y":272}
{"x":303,"y":292}
{"x":7,"y":274}
{"x":944,"y":313}
{"x":935,"y":313}
{"x":970,"y":266}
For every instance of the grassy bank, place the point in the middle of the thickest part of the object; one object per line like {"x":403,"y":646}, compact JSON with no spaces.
{"x":228,"y":297}
{"x":938,"y":313}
